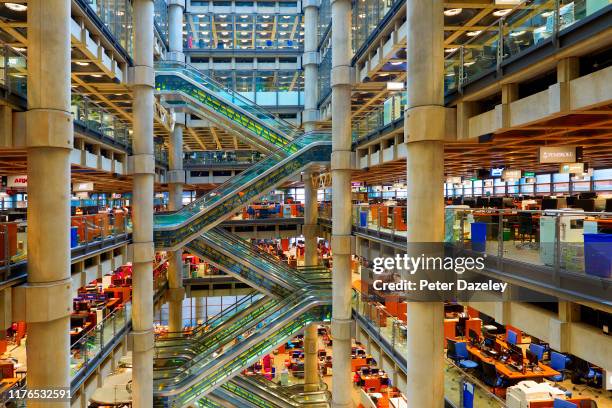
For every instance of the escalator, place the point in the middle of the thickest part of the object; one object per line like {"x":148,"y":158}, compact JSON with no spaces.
{"x":275,"y":394}
{"x":290,"y":151}
{"x":213,"y":368}
{"x":189,"y":368}
{"x":173,"y":231}
{"x":184,"y":87}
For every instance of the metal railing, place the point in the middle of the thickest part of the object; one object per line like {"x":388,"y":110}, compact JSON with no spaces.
{"x":529,"y":25}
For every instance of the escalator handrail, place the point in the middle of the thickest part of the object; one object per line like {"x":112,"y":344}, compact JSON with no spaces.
{"x":212,"y":322}
{"x":306,"y":303}
{"x":186,"y":66}
{"x":236,"y":189}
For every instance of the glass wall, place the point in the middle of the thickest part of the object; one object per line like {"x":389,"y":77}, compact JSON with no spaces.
{"x":367,"y":14}
{"x":116,"y":15}
{"x":161,"y":18}
{"x":94,"y":118}
{"x":268,"y":88}
{"x":243,"y":31}
{"x":543,"y":184}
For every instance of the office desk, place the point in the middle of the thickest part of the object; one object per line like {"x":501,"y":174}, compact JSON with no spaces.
{"x":358,"y":362}
{"x":510,"y":373}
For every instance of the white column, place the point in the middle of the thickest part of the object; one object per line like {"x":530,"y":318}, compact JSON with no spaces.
{"x":424,"y":134}
{"x":142,"y":204}
{"x":341,"y":202}
{"x":49,"y":138}
{"x":309,"y":230}
{"x":310,"y":63}
{"x":176,"y":179}
{"x":200,"y":309}
{"x":176,"y":9}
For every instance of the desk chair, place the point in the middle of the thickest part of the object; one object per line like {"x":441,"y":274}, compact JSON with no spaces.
{"x":512,"y":337}
{"x":538,"y":350}
{"x":558,"y":362}
{"x":491,"y":377}
{"x":559,"y":403}
{"x":457,"y":351}
{"x":584,"y":372}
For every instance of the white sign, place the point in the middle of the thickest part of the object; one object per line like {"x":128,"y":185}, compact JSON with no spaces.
{"x":511,"y":174}
{"x":559,"y":154}
{"x":83,"y":187}
{"x":17,"y":181}
{"x":572,"y":168}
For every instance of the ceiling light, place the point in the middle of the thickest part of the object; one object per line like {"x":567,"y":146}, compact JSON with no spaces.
{"x":201,"y":15}
{"x":284,"y":25}
{"x":453,"y":12}
{"x":222,"y":15}
{"x":244,"y":25}
{"x":266,"y":16}
{"x":82,"y":63}
{"x":450,"y":50}
{"x":74,"y":86}
{"x":96,"y":75}
{"x":16,"y":6}
{"x":203,"y":24}
{"x":118,"y":94}
{"x":384,"y":74}
{"x":286,"y":17}
{"x":546,"y":14}
{"x":19,"y":49}
{"x":245,"y":41}
{"x":517,"y":33}
{"x":467,"y":64}
{"x":502,"y":12}
{"x":224,"y":32}
{"x":397,"y":62}
{"x":264,"y":25}
{"x":224,"y":25}
{"x":473,"y":33}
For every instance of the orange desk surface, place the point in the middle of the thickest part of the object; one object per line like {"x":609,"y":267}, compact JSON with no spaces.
{"x":358,"y":362}
{"x":506,"y":371}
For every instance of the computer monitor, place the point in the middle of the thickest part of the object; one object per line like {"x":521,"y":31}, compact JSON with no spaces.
{"x":474,"y":337}
{"x":457,"y":201}
{"x":516,"y":353}
{"x":496,"y":202}
{"x":587,"y":195}
{"x":549,"y":204}
{"x":482,"y":202}
{"x":532,"y":357}
{"x":608,"y":204}
{"x":586,"y":204}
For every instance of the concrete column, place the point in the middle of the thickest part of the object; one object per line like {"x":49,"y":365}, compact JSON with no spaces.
{"x":341,"y":202}
{"x":176,"y":179}
{"x":311,"y":360}
{"x":424,"y":134}
{"x":49,"y":140}
{"x":142,"y":204}
{"x":176,"y":9}
{"x":200,"y":309}
{"x":310,"y":63}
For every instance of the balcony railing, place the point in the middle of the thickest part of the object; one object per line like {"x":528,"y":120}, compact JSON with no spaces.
{"x":93,"y":117}
{"x":13,"y":70}
{"x":530,"y":25}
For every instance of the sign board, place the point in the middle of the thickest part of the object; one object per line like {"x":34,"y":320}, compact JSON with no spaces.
{"x":17,"y":181}
{"x":572,"y":168}
{"x":453,"y":180}
{"x":512,"y":174}
{"x":560,"y":154}
{"x":83,"y":187}
{"x":497,"y":172}
{"x":529,"y":174}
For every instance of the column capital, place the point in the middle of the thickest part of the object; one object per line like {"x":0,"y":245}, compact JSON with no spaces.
{"x":342,"y":160}
{"x":341,"y":75}
{"x":311,"y":3}
{"x":176,"y":176}
{"x":141,"y":75}
{"x":42,"y":302}
{"x":142,"y":252}
{"x":179,"y":3}
{"x":341,"y":328}
{"x":49,"y":128}
{"x":425,"y":123}
{"x":141,"y":164}
{"x":310,"y":115}
{"x":310,"y":58}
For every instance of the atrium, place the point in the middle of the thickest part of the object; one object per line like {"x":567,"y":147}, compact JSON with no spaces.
{"x":306,"y":203}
